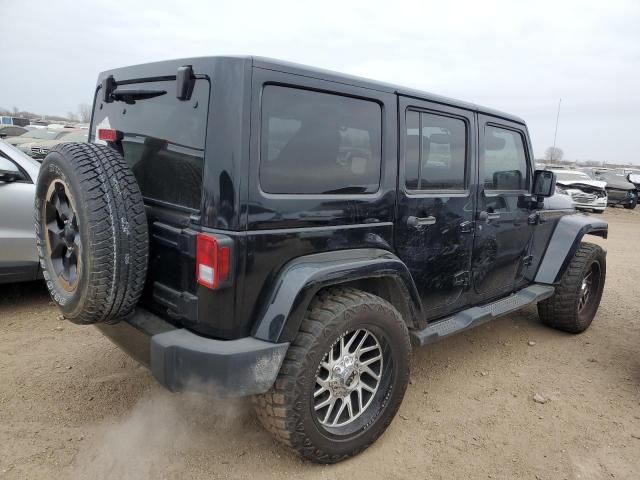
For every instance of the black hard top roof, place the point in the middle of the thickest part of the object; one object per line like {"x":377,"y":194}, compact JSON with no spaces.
{"x":297,"y":69}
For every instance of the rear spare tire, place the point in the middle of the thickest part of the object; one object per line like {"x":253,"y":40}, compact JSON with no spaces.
{"x":91,"y":232}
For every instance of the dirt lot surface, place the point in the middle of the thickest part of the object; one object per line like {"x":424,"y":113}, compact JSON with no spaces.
{"x":72,"y":405}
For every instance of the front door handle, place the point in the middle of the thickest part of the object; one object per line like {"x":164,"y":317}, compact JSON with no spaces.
{"x":420,"y":221}
{"x":486,"y":217}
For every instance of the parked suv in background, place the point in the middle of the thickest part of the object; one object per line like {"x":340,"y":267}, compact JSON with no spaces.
{"x":254,"y":227}
{"x":619,"y":190}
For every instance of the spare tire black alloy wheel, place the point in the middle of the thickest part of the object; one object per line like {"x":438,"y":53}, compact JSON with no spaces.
{"x":63,"y":243}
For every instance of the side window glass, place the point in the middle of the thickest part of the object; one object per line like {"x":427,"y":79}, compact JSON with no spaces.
{"x":435,"y":152}
{"x":319,"y":143}
{"x":505,"y":161}
{"x":7,"y":165}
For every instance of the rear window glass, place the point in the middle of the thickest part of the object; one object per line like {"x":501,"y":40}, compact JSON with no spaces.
{"x":163,"y":140}
{"x":319,"y":143}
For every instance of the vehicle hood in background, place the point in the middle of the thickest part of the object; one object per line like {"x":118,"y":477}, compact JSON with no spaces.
{"x":583,"y":183}
{"x":619,"y":183}
{"x":15,"y":141}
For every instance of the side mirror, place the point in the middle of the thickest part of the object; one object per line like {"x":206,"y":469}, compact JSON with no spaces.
{"x":544,"y":183}
{"x":9,"y":176}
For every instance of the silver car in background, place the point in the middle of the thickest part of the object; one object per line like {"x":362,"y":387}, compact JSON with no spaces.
{"x":18,"y":257}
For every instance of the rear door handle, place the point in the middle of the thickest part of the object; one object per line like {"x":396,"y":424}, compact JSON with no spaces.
{"x":488,"y":216}
{"x":420,"y":221}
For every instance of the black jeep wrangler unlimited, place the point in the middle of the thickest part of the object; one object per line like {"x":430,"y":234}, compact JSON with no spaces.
{"x":267,"y":229}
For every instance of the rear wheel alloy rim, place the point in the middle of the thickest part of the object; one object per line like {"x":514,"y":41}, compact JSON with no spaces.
{"x":348,"y":378}
{"x":585,"y":289}
{"x":63,"y":235}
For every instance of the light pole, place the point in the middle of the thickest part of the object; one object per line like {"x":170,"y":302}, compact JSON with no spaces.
{"x":555,"y":135}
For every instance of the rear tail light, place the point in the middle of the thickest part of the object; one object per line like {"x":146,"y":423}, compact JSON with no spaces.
{"x":213,"y":261}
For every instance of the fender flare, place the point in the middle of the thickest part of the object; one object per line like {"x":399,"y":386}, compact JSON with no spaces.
{"x":301,"y":278}
{"x":564,"y":243}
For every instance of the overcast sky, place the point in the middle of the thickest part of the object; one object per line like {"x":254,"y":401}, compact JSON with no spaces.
{"x":517,"y":56}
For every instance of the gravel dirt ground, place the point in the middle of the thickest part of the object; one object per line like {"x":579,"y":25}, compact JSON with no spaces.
{"x":72,"y":405}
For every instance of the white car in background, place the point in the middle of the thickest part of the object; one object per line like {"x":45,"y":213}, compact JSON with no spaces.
{"x":18,"y":256}
{"x":587,"y":194}
{"x":40,"y":149}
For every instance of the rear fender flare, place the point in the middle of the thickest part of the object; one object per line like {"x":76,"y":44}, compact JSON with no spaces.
{"x":564,"y":243}
{"x":301,"y":279}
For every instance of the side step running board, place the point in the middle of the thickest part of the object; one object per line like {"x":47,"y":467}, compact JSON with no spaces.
{"x":475,"y":316}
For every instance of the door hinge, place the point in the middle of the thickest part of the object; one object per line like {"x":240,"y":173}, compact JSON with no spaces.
{"x":528,"y":260}
{"x":461,"y":279}
{"x":467,"y":227}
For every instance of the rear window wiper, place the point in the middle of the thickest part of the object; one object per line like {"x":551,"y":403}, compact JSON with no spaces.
{"x":130,"y":96}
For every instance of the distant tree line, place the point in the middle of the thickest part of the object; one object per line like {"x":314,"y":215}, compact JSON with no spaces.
{"x":82,"y":114}
{"x":555,"y":156}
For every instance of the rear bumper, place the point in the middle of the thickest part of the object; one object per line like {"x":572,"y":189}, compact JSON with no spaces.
{"x":183,"y":361}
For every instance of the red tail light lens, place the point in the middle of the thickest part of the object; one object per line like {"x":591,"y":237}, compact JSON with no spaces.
{"x":109,"y":135}
{"x":224,"y":260}
{"x":213,"y":261}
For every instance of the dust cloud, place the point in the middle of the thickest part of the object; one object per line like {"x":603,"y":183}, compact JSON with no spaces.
{"x":158,"y":434}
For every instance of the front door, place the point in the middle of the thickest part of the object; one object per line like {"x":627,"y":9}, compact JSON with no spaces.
{"x":434,"y":221}
{"x":503,"y":234}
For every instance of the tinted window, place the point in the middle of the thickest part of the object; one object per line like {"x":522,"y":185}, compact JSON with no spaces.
{"x":315,"y":142}
{"x":505,"y":162}
{"x":435,"y":152}
{"x":163,"y":140}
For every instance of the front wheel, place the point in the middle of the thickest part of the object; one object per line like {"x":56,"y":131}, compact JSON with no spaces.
{"x":631,"y":204}
{"x":343,"y":378}
{"x":576,"y":300}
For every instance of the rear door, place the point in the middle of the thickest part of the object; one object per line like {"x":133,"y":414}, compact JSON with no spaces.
{"x":503,"y":234}
{"x":434,"y":224}
{"x":162,"y":138}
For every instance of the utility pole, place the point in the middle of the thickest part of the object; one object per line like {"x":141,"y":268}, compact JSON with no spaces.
{"x":555,"y":135}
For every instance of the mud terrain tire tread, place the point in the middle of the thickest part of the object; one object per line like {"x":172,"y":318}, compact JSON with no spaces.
{"x":280,"y":410}
{"x":561,"y":310}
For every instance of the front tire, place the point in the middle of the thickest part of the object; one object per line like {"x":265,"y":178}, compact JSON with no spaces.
{"x":343,"y":378}
{"x":632,"y":204}
{"x":576,"y":300}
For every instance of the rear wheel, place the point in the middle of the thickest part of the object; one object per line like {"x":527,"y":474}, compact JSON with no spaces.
{"x":343,"y":378}
{"x":576,"y":300}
